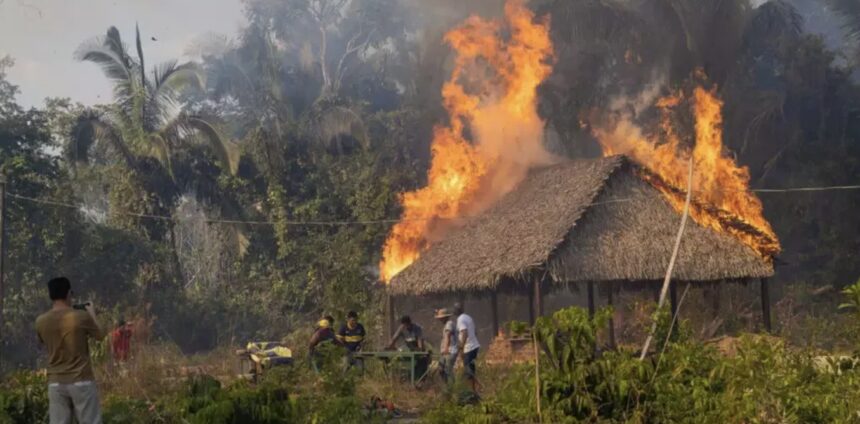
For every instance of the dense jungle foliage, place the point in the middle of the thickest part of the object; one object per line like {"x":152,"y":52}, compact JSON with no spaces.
{"x":314,"y":113}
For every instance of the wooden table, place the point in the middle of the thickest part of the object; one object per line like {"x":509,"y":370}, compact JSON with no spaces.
{"x":394,"y":354}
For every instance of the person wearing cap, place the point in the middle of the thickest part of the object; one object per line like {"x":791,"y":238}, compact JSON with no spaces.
{"x":351,"y":337}
{"x":322,"y":334}
{"x":448,"y":346}
{"x":467,"y":344}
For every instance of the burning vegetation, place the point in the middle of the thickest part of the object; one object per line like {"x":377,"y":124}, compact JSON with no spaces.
{"x":494,"y":135}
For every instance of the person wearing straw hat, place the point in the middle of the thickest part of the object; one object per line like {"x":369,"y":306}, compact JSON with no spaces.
{"x":448,"y":346}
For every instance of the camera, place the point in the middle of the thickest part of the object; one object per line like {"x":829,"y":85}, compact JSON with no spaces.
{"x":81,"y":306}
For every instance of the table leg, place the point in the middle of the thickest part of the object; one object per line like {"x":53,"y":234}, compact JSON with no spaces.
{"x":412,"y":370}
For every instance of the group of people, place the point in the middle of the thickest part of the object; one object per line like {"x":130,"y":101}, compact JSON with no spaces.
{"x":66,"y":329}
{"x":459,"y":341}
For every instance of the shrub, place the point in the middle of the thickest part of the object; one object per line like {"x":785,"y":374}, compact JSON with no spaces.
{"x":24,"y":399}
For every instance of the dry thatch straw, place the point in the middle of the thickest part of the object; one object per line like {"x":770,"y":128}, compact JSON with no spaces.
{"x":567,"y":219}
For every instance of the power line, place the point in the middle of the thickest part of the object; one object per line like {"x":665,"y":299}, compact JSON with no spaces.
{"x":334,"y":223}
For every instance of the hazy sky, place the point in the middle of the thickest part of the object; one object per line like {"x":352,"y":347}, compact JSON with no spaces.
{"x":42,"y":35}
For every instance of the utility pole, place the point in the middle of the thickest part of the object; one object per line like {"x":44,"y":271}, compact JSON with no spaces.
{"x":2,"y":248}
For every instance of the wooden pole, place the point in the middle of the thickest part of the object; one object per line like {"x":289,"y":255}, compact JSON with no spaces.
{"x":673,"y":298}
{"x":532,"y":314}
{"x":538,"y":297}
{"x":494,"y":310}
{"x":612,"y":316}
{"x":2,"y":246}
{"x":765,"y":304}
{"x":389,"y":310}
{"x":591,"y":299}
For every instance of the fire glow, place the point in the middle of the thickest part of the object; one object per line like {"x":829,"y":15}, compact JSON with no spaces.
{"x":722,"y":199}
{"x":491,"y":95}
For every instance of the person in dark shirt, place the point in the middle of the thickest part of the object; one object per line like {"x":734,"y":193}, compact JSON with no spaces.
{"x":351,"y":336}
{"x":323,"y":334}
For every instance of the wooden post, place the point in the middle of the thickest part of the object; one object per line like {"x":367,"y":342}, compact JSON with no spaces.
{"x":389,"y":310}
{"x":494,"y":309}
{"x":538,"y":296}
{"x":673,"y":298}
{"x":532,"y":314}
{"x":591,"y":299}
{"x":765,"y":304}
{"x":612,"y":316}
{"x":2,"y":246}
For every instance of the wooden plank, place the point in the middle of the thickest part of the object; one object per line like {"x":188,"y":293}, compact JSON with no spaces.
{"x":765,"y":304}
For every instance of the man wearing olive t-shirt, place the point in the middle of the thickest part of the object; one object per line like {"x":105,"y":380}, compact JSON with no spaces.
{"x":65,"y":332}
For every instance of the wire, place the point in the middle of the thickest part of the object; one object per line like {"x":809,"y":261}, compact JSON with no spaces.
{"x":387,"y":220}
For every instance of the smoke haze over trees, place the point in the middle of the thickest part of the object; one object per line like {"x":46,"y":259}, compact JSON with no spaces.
{"x":323,"y":111}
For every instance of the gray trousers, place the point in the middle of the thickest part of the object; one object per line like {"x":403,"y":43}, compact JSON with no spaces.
{"x":80,"y":400}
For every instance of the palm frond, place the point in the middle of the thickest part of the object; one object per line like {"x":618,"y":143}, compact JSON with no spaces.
{"x":90,"y":128}
{"x":175,"y":77}
{"x":849,"y":10}
{"x":223,"y":149}
{"x":110,"y":54}
{"x":161,"y":150}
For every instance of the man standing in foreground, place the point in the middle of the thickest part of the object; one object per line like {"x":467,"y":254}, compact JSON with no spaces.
{"x":448,"y":346}
{"x":65,"y":332}
{"x":467,"y":345}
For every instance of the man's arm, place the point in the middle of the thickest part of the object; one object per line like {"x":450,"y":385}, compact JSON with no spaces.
{"x":91,"y":326}
{"x":394,"y":338}
{"x":420,"y":339}
{"x":314,"y":340}
{"x":461,"y":345}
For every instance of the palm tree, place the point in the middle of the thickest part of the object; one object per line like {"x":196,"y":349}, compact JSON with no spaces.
{"x":147,"y":119}
{"x":147,"y":126}
{"x":850,"y":12}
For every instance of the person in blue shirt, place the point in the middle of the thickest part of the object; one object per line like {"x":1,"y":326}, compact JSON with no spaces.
{"x":351,"y":336}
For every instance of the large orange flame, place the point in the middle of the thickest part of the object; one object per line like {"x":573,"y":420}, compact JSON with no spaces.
{"x":722,"y":199}
{"x":491,"y":94}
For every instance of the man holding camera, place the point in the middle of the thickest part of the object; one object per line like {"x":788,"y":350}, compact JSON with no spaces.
{"x":65,"y":331}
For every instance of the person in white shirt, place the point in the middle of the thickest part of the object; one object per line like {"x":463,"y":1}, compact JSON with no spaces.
{"x":467,"y":345}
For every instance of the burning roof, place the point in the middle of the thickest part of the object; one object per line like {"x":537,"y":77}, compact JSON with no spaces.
{"x":583,"y":220}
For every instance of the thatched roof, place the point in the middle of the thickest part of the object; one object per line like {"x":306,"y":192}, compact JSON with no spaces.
{"x":585,"y":220}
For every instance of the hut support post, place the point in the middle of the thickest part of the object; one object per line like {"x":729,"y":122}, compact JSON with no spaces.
{"x":765,"y":304}
{"x":591,"y":299}
{"x":494,"y":309}
{"x":612,"y":316}
{"x":673,"y":298}
{"x":532,"y":307}
{"x":538,"y":298}
{"x":389,"y":310}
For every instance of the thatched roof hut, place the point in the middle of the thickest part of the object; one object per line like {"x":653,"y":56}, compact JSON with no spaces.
{"x":599,"y":222}
{"x":579,"y":221}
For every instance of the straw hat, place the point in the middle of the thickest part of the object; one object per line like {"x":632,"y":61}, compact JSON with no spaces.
{"x":442,"y":313}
